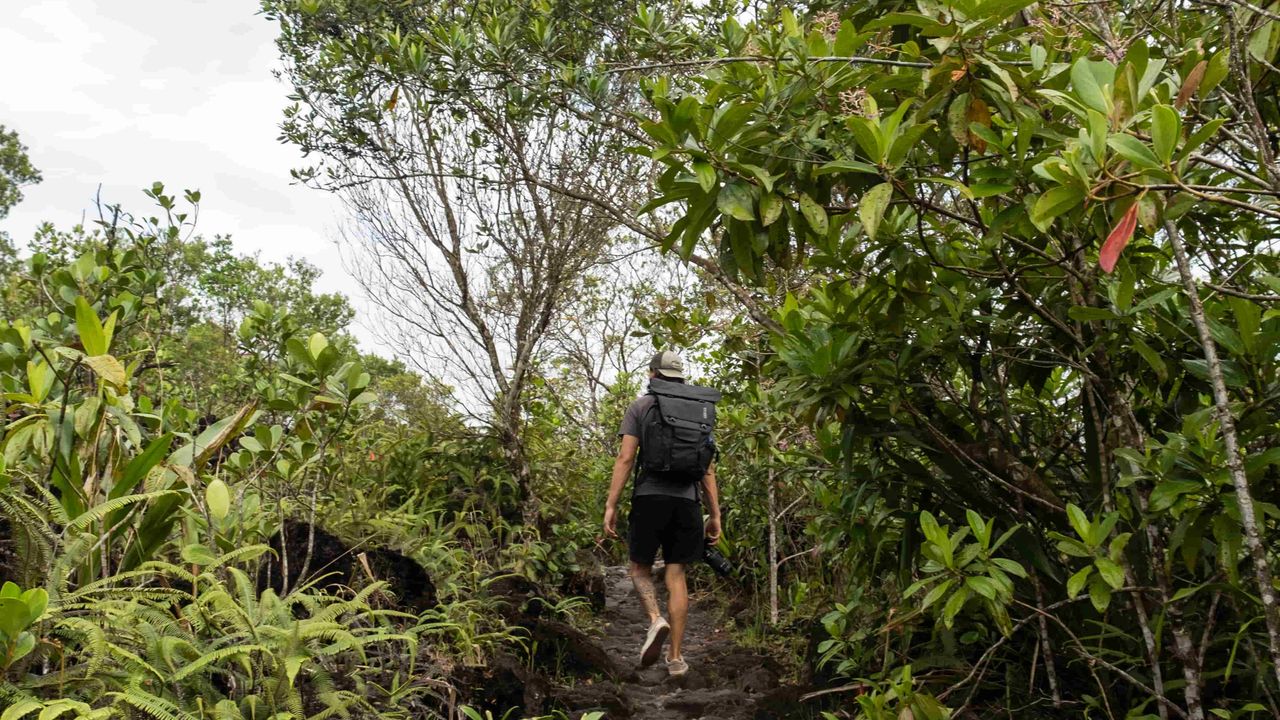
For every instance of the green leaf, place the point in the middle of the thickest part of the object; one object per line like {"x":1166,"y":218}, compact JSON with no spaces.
{"x":1076,"y":582}
{"x":848,"y":166}
{"x":1013,"y":567}
{"x":141,"y":464}
{"x":1199,"y":137}
{"x":1135,"y":151}
{"x":1165,"y":494}
{"x":102,"y":510}
{"x":770,"y":208}
{"x":1216,"y":71}
{"x":36,"y":599}
{"x":958,"y":119}
{"x":92,"y":336}
{"x":1111,"y":572}
{"x":984,"y":586}
{"x":1038,"y":57}
{"x":1084,"y":81}
{"x":218,"y":499}
{"x":1099,"y":593}
{"x":706,"y":175}
{"x":1152,"y":357}
{"x":317,"y":344}
{"x":108,"y":368}
{"x":954,"y":604}
{"x":869,"y":138}
{"x":726,"y":125}
{"x":13,"y":616}
{"x":1053,"y":203}
{"x":20,"y":709}
{"x":1079,"y":521}
{"x":872,"y":206}
{"x":735,"y":201}
{"x":936,"y":593}
{"x":814,"y":214}
{"x":1085,"y":313}
{"x":25,"y":644}
{"x":1166,"y":128}
{"x":932,"y":531}
{"x":198,"y":554}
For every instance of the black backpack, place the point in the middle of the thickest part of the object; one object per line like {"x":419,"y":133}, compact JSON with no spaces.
{"x":675,"y":433}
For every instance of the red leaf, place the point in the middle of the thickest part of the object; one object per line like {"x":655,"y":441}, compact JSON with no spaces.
{"x":1119,"y":237}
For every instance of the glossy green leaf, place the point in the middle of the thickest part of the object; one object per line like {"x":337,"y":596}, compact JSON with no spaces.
{"x":1166,"y":128}
{"x":218,"y":499}
{"x":735,"y":201}
{"x":1053,"y":203}
{"x":872,"y":206}
{"x":92,"y":335}
{"x":814,"y":214}
{"x":1135,"y":151}
{"x":1079,"y":521}
{"x":1111,"y":572}
{"x":770,"y":208}
{"x":1085,"y":82}
{"x":706,"y":175}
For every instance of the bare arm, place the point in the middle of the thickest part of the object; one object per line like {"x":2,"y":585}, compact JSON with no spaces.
{"x":622,"y":465}
{"x":712,"y":493}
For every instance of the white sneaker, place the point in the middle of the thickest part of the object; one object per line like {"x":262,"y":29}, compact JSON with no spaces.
{"x":653,"y":642}
{"x":677,"y":667}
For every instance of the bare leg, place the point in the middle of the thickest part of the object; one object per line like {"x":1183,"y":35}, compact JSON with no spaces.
{"x":677,"y":607}
{"x":642,"y":578}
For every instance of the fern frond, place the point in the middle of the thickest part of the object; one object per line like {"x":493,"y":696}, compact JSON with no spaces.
{"x":21,"y":709}
{"x":134,"y":658}
{"x":102,"y":510}
{"x":248,"y":552}
{"x":215,"y":656}
{"x":58,"y":707}
{"x":156,"y":707}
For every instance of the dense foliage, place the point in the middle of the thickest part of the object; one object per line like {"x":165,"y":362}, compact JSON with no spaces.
{"x":1010,"y":389}
{"x":979,"y":229}
{"x":990,"y":286}
{"x":170,"y":449}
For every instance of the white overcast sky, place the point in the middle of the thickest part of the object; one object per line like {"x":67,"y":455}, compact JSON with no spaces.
{"x":120,"y":93}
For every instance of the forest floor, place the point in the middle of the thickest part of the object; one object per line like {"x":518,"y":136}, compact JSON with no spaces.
{"x":725,"y":681}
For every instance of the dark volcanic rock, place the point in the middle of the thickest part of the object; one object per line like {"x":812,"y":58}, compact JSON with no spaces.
{"x":780,"y":703}
{"x":581,"y":699}
{"x":587,"y":582}
{"x":341,"y":564}
{"x":515,"y":591}
{"x":756,"y":680}
{"x":575,"y":650}
{"x":696,"y":703}
{"x":814,"y":674}
{"x":8,"y":560}
{"x":503,"y":684}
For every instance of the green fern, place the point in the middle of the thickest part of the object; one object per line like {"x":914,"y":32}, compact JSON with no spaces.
{"x":156,"y":707}
{"x":100,"y":511}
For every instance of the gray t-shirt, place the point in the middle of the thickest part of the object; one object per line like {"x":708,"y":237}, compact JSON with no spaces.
{"x":646,"y":484}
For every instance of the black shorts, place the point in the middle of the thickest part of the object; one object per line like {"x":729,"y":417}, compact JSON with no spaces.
{"x":672,"y":523}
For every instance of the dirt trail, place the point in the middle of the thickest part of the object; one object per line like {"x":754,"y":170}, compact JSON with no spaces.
{"x":725,"y":682}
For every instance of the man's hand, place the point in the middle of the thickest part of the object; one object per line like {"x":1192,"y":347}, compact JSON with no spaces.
{"x":713,"y":529}
{"x":610,"y":521}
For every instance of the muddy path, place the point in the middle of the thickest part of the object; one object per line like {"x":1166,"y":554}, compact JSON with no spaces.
{"x":724,"y":682}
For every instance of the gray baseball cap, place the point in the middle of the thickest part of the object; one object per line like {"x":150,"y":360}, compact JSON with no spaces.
{"x":667,"y":364}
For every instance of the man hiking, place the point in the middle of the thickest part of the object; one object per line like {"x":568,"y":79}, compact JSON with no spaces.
{"x":669,"y":431}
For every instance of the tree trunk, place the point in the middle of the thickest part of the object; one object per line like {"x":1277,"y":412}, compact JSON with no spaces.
{"x":1244,"y":498}
{"x":773,"y":551}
